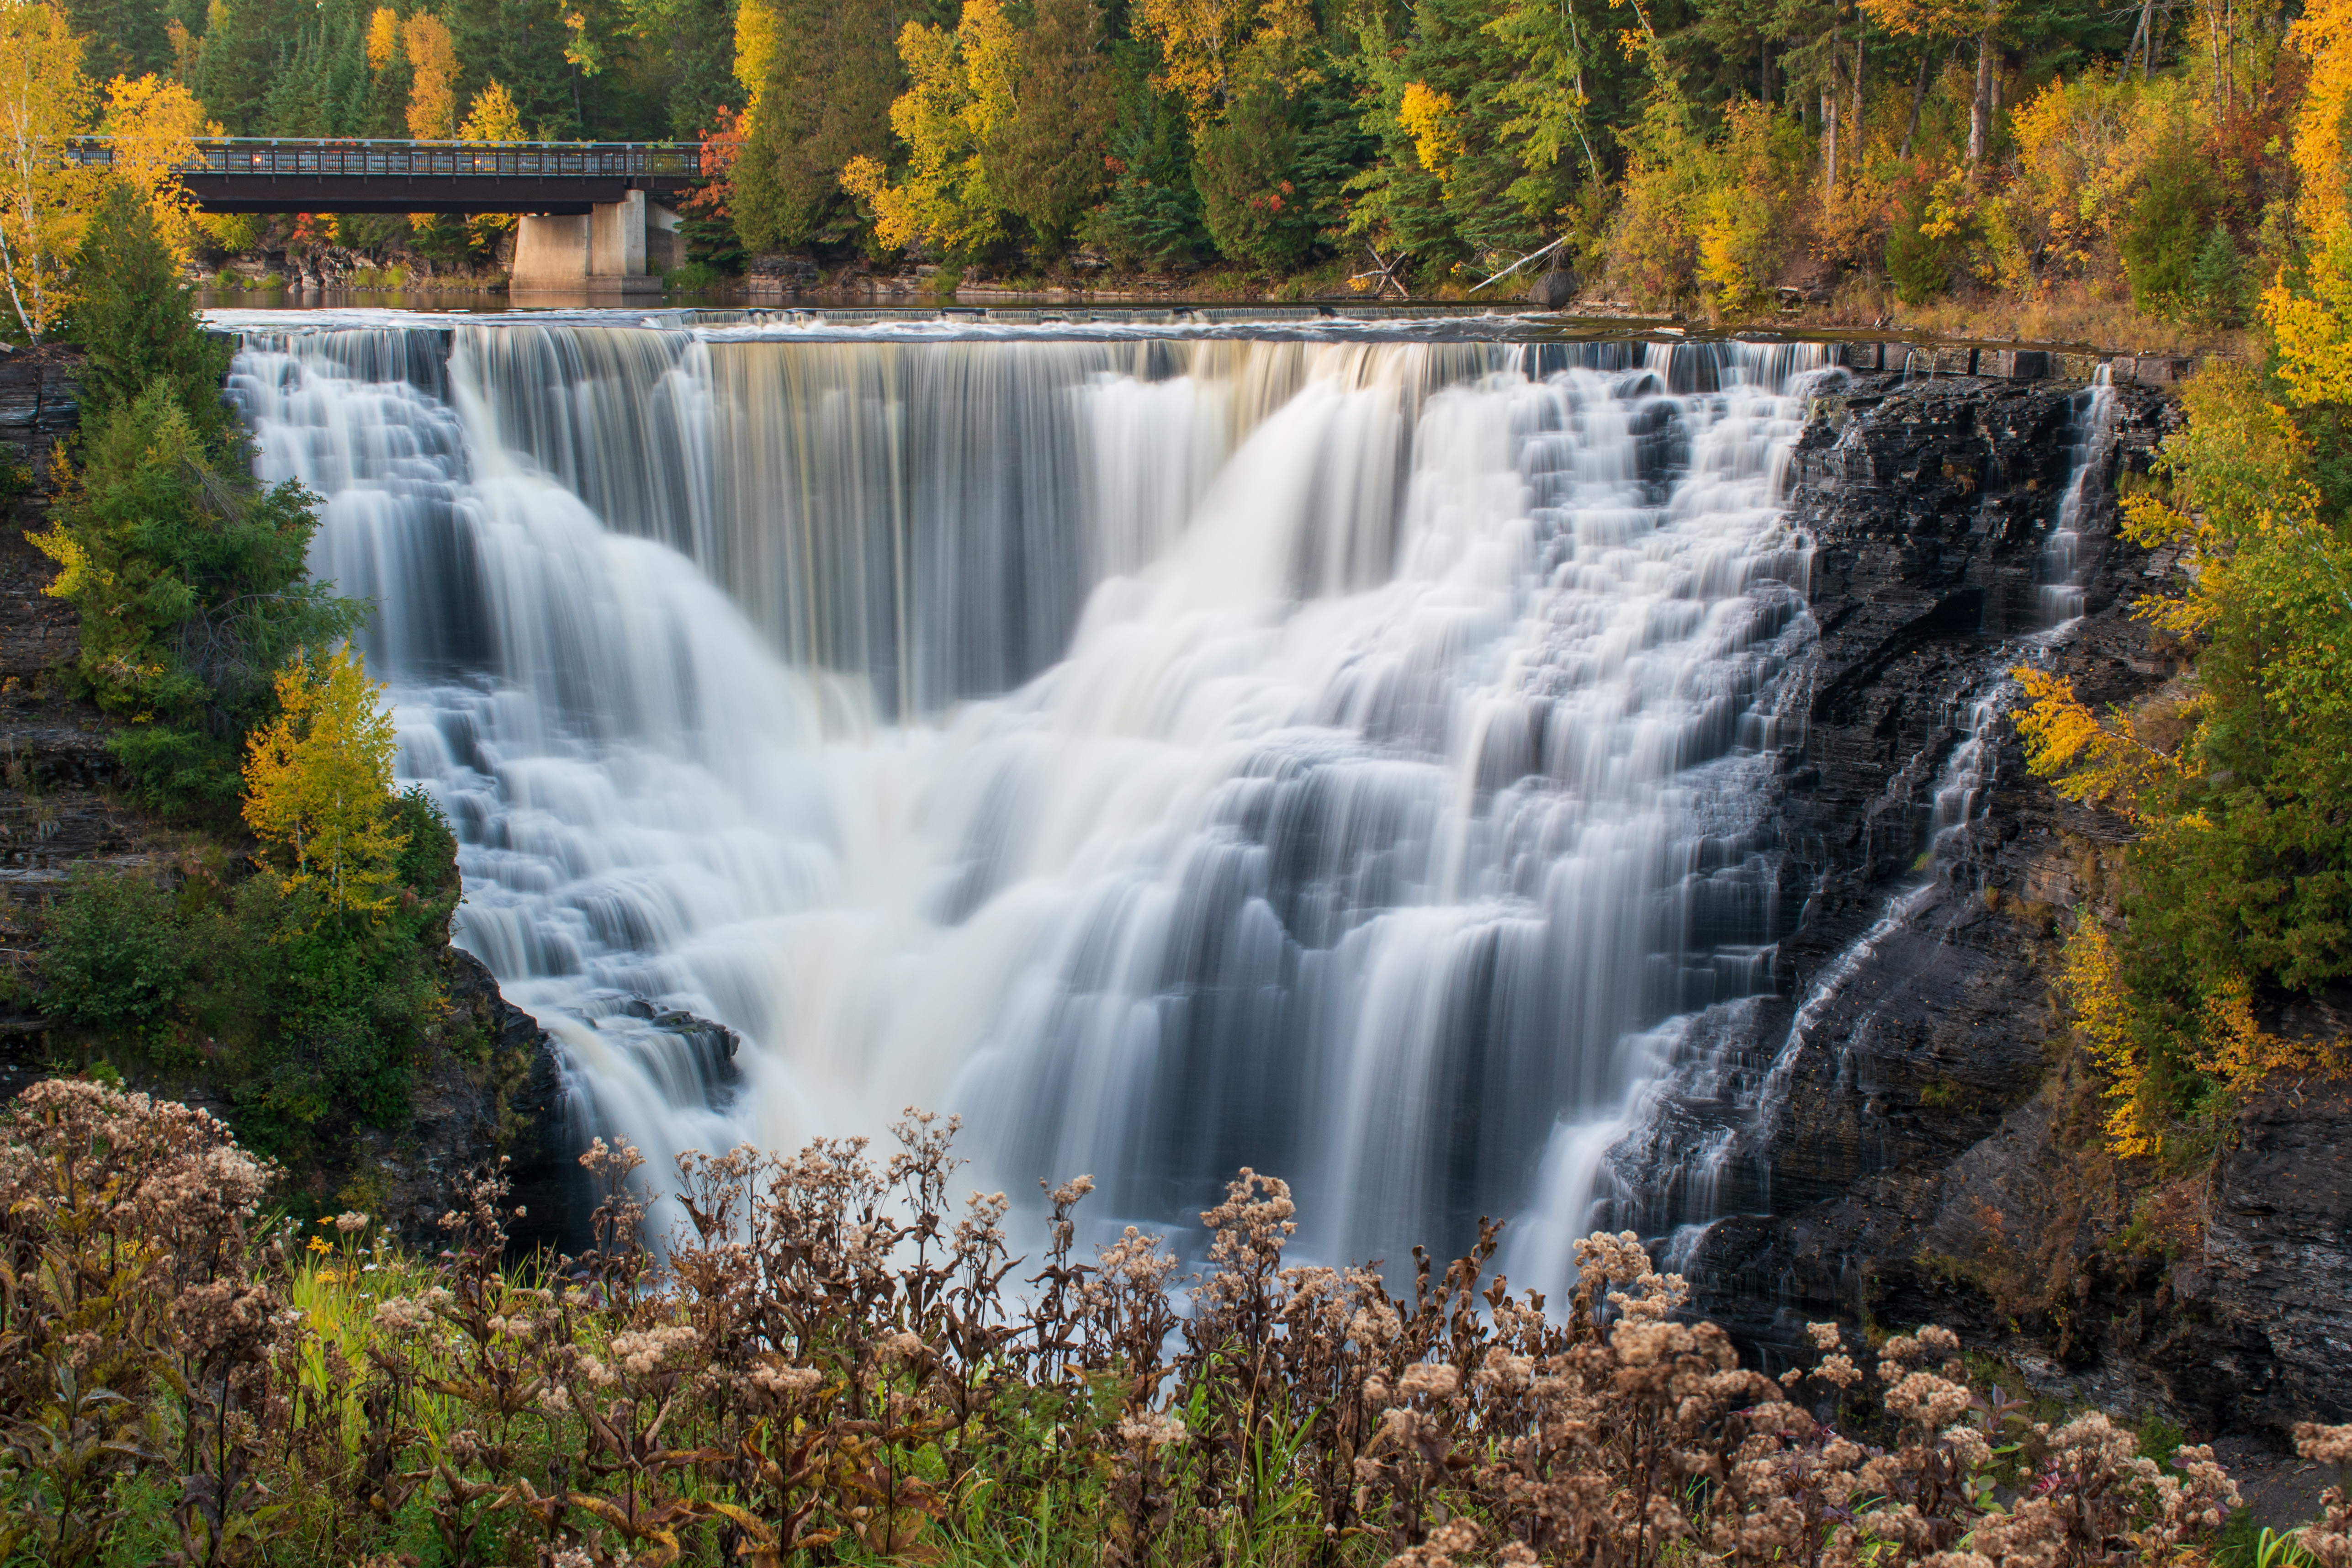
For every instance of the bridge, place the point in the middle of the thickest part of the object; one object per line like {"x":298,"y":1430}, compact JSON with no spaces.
{"x":594,"y":212}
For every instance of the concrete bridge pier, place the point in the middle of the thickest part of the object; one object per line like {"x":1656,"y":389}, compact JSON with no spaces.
{"x":605,"y":250}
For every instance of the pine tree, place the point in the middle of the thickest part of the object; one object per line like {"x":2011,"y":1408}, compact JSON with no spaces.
{"x":1150,"y":215}
{"x":827,"y":100}
{"x":190,"y":581}
{"x":1046,"y":160}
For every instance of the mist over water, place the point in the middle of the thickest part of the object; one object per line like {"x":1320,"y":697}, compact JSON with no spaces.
{"x":1346,"y":758}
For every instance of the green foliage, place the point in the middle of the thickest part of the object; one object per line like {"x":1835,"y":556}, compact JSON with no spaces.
{"x":136,"y":322}
{"x":116,"y":952}
{"x":1919,"y":261}
{"x":301,"y":1017}
{"x":2171,"y":220}
{"x":2217,"y":281}
{"x":1472,"y":190}
{"x":189,"y":578}
{"x":1046,"y":161}
{"x":1151,"y":215}
{"x":1272,"y":169}
{"x":826,"y":100}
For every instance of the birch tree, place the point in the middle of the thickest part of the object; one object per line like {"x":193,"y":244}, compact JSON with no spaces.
{"x":45,"y":98}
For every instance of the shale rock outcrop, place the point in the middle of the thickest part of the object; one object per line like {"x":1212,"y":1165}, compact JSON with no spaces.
{"x":1921,"y":1147}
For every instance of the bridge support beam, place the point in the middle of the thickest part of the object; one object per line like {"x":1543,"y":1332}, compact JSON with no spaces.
{"x":601,"y":251}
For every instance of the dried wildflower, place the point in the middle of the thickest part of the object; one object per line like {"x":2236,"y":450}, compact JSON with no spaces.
{"x":349,"y":1223}
{"x":644,"y":1352}
{"x":2323,"y":1445}
{"x":1153,"y":1429}
{"x":786,"y":1382}
{"x":402,"y":1315}
{"x":1424,"y":1379}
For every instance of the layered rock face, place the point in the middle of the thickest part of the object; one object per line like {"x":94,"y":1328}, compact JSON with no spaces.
{"x":1920,"y":1148}
{"x":55,"y":810}
{"x":60,"y":810}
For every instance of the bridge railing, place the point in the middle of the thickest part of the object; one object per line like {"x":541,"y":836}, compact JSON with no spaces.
{"x":550,"y":160}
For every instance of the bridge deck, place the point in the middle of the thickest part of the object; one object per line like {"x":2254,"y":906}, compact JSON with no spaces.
{"x":256,"y":175}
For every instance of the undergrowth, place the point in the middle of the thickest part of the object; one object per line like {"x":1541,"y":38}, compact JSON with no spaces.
{"x":827,"y":1363}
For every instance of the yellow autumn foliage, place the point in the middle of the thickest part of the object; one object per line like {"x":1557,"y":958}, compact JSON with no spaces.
{"x":1206,"y":46}
{"x":317,"y":785}
{"x":755,"y":49}
{"x":44,"y":201}
{"x":2311,"y":324}
{"x":959,"y":92}
{"x":1428,"y":117}
{"x":2095,"y":987}
{"x":433,"y":88}
{"x":2098,"y":761}
{"x":383,"y":36}
{"x":155,"y":124}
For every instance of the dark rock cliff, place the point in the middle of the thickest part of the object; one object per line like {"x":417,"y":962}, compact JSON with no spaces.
{"x":1916,"y":1143}
{"x":59,"y":810}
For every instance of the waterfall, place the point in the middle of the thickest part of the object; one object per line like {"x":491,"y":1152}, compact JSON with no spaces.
{"x":1171,"y":750}
{"x":2095,"y":429}
{"x":1715,"y":1102}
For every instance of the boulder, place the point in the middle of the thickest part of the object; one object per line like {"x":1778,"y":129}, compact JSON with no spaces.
{"x":1554,"y":290}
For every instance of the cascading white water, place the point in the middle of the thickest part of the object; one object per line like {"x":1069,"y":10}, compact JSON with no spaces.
{"x":1341,"y":757}
{"x":2094,"y":429}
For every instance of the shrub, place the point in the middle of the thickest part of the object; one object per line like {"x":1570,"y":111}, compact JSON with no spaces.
{"x":116,"y":953}
{"x":2170,"y":221}
{"x":304,"y":1013}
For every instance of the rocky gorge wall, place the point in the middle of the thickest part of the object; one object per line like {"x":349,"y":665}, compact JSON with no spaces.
{"x":62,"y":810}
{"x":1928,"y":1146}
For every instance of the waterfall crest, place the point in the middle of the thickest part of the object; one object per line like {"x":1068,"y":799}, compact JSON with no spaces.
{"x":1173,"y":753}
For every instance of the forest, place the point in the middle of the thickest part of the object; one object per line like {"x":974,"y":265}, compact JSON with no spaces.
{"x":2075,"y":160}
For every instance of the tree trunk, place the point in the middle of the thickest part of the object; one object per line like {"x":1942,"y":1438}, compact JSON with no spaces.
{"x":2138,"y":42}
{"x":1857,"y":97}
{"x":1830,"y":119}
{"x":1918,"y":103}
{"x":1980,"y":105}
{"x":1829,"y":138}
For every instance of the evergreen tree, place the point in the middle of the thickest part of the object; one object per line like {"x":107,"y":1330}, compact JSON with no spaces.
{"x":126,"y":37}
{"x":523,"y":44}
{"x":1447,"y":181}
{"x":1150,"y":215}
{"x":190,"y":580}
{"x":827,"y":100}
{"x":247,"y":46}
{"x":1046,"y":161}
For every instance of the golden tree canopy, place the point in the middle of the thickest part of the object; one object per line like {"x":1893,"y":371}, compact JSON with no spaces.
{"x":383,"y":36}
{"x":155,"y":124}
{"x":317,"y":783}
{"x":493,"y":117}
{"x":44,"y":202}
{"x":1203,"y":41}
{"x":2313,"y":324}
{"x":433,"y":90}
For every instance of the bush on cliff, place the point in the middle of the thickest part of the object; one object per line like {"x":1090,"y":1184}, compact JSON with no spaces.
{"x":304,"y":994}
{"x":188,"y":577}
